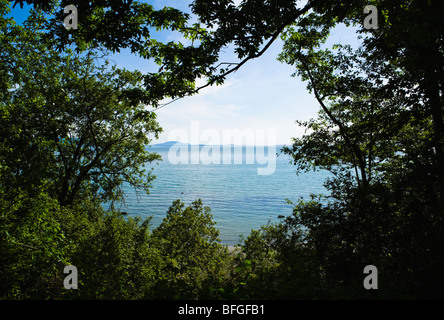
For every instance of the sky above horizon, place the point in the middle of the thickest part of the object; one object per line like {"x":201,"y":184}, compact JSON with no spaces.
{"x":261,"y":101}
{"x":261,"y":98}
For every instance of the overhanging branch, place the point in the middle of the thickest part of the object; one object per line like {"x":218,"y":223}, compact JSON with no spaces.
{"x":342,"y":129}
{"x":272,"y":37}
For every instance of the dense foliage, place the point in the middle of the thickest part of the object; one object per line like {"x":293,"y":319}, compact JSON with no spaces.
{"x":74,"y":129}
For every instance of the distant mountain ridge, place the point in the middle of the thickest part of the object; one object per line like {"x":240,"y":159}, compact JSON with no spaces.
{"x":169,"y":143}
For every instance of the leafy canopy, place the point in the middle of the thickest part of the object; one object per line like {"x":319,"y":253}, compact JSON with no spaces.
{"x":79,"y":122}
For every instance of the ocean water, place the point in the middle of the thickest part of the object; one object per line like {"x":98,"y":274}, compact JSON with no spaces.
{"x":228,"y":181}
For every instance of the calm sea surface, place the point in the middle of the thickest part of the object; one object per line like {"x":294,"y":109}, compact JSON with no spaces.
{"x":240,"y":199}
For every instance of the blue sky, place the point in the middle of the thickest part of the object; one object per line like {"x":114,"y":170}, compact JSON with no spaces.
{"x":260,"y":97}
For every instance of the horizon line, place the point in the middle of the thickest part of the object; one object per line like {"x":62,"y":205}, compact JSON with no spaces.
{"x":170,"y":143}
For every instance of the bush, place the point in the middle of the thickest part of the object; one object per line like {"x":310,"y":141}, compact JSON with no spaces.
{"x":192,"y":259}
{"x":33,"y":248}
{"x":116,"y":257}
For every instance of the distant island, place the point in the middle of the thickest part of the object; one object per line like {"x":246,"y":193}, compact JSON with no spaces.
{"x":169,"y":143}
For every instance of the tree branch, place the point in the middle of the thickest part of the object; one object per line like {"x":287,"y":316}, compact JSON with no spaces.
{"x":273,"y":37}
{"x":342,"y":129}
